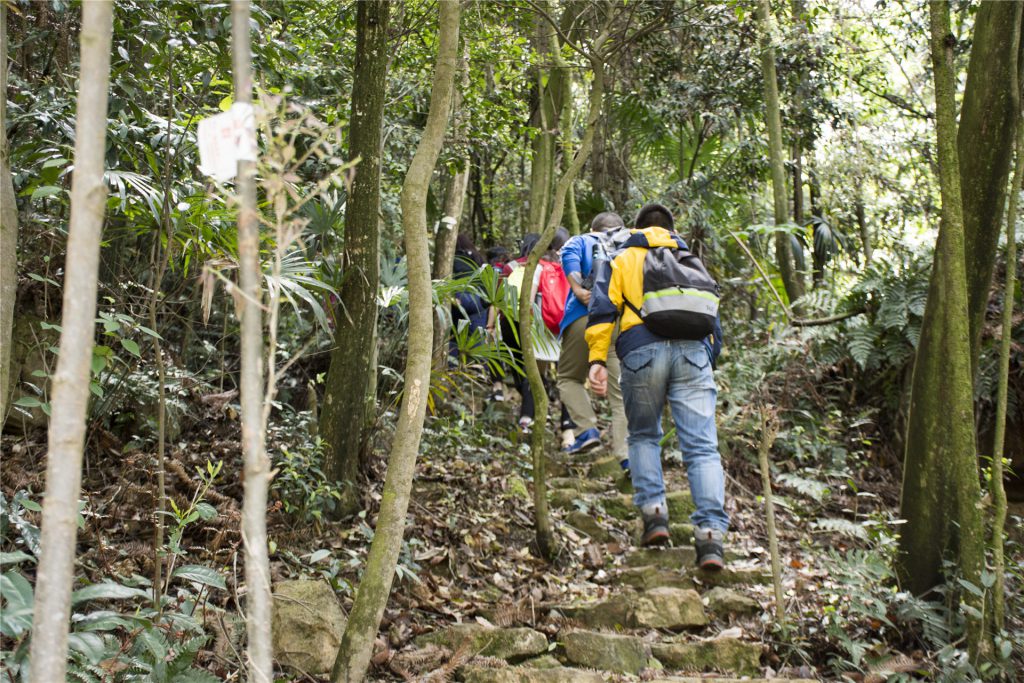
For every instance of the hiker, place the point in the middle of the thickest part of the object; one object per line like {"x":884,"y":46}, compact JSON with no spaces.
{"x":667,"y":309}
{"x":497,"y":257}
{"x":577,"y":262}
{"x":468,"y":306}
{"x":549,"y":289}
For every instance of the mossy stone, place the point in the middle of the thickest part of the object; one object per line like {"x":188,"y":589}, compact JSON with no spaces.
{"x":621,"y":654}
{"x":585,"y":523}
{"x":731,"y":576}
{"x":503,"y":643}
{"x":728,"y":655}
{"x":662,"y":558}
{"x":564,"y":499}
{"x":612,"y":613}
{"x":725,"y":601}
{"x":669,"y":608}
{"x":680,"y":505}
{"x":524,"y":674}
{"x":643,"y":578}
{"x":306,"y":625}
{"x":619,"y":506}
{"x":576,"y":484}
{"x":605,"y":468}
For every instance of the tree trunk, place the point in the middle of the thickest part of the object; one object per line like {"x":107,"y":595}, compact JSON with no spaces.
{"x":357,"y":643}
{"x":565,"y":121}
{"x":545,"y":535}
{"x":941,"y":494}
{"x":985,"y":145}
{"x":791,"y":278}
{"x":865,"y":229}
{"x":8,"y":233}
{"x":70,"y":386}
{"x":542,"y":163}
{"x":451,"y":222}
{"x":349,"y":405}
{"x":997,"y":490}
{"x":257,"y":465}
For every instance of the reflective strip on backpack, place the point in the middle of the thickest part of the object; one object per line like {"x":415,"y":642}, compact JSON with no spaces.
{"x":680,"y":299}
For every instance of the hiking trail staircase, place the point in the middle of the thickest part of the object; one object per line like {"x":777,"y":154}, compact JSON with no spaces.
{"x":659,"y":618}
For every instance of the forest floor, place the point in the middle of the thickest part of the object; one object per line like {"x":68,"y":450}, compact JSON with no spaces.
{"x":469,"y":558}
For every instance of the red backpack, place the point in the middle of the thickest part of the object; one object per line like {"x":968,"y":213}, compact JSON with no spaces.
{"x":553,"y":290}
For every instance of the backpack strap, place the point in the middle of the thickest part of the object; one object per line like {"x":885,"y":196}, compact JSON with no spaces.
{"x":632,"y":307}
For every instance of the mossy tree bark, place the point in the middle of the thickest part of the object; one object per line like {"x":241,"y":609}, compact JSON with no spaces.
{"x":348,"y":407}
{"x":998,"y":492}
{"x":451,"y":222}
{"x":254,"y":453}
{"x":542,"y":521}
{"x":941,"y":494}
{"x":356,"y":648}
{"x":792,"y":280}
{"x":8,"y":233}
{"x":69,"y":394}
{"x":985,"y":145}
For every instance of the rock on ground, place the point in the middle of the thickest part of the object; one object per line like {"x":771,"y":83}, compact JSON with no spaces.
{"x":622,"y":654}
{"x":726,"y":601}
{"x":669,"y":608}
{"x":728,"y":655}
{"x":487,"y":641}
{"x":307,"y":625}
{"x":517,"y":674}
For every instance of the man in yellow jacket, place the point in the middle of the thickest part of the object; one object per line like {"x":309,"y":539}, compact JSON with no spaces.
{"x":654,"y":370}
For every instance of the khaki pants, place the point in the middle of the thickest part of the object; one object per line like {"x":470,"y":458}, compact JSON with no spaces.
{"x":573,"y":367}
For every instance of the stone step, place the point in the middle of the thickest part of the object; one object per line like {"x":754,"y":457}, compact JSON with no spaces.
{"x":503,"y":643}
{"x":621,"y":654}
{"x":577,"y":484}
{"x":525,"y":674}
{"x":678,"y":557}
{"x":680,"y":506}
{"x":587,"y":524}
{"x":725,"y":602}
{"x":718,"y":679}
{"x":681,"y":533}
{"x":728,"y":655}
{"x":647,"y":576}
{"x":605,"y":468}
{"x":660,"y":608}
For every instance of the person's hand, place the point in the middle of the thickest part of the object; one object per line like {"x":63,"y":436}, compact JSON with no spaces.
{"x":598,"y":379}
{"x":583,"y":295}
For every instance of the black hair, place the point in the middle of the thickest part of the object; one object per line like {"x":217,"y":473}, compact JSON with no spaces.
{"x":605,"y":221}
{"x":654,"y":215}
{"x":497,"y":253}
{"x":528,"y":243}
{"x":559,"y":240}
{"x":464,"y":244}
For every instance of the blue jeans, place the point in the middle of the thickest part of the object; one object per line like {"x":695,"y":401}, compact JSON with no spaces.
{"x":679,"y":371}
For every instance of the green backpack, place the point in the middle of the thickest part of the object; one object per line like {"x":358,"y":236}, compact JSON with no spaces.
{"x":680,"y":297}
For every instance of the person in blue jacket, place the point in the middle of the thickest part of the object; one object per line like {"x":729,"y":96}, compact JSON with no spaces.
{"x":577,"y":262}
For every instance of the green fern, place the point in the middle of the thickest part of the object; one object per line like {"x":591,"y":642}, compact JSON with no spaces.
{"x":810,"y":488}
{"x":842,"y":526}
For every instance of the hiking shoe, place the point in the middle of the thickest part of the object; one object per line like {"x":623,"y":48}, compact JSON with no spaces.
{"x":589,"y":439}
{"x":497,"y":395}
{"x":655,"y":529}
{"x":708,"y":543}
{"x":624,"y":464}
